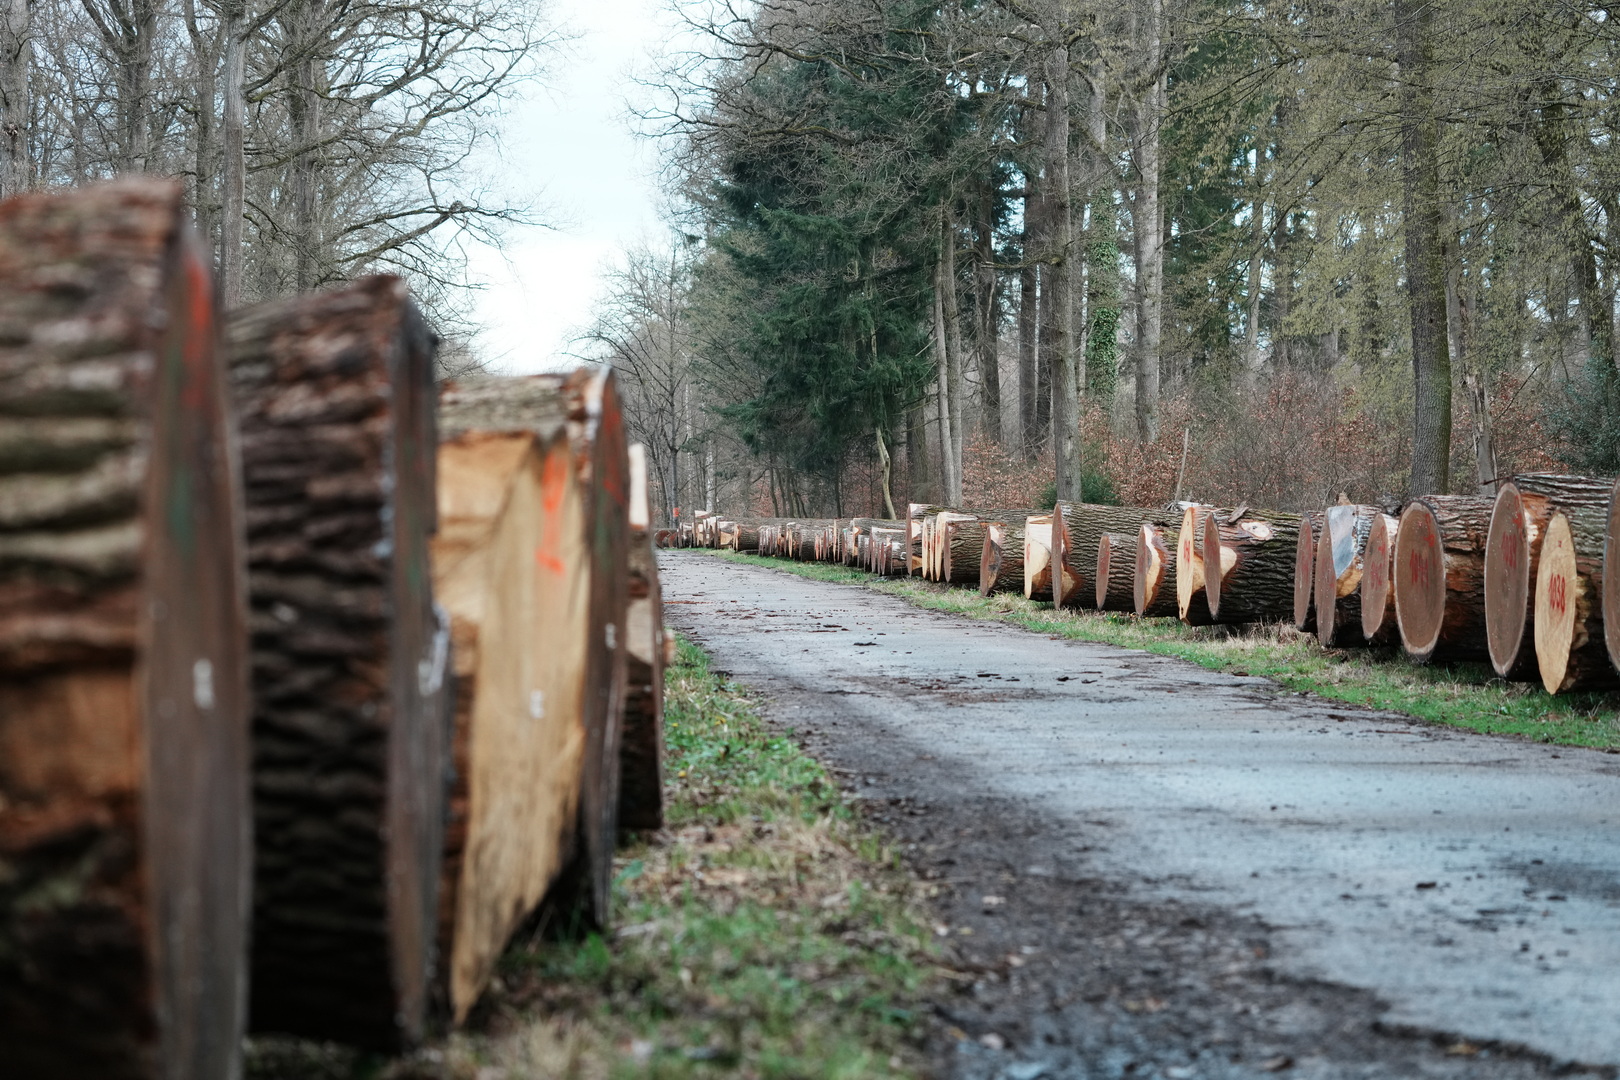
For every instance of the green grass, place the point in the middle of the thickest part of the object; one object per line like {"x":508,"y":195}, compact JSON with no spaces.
{"x":763,"y":933}
{"x":1464,"y":695}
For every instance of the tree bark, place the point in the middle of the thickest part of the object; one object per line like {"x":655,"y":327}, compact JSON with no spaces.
{"x":988,"y":323}
{"x":1002,"y":568}
{"x":1425,"y":261}
{"x":334,"y":392}
{"x":1065,"y":372}
{"x":1149,"y":221}
{"x":124,"y":747}
{"x":16,"y":57}
{"x":1029,"y":423}
{"x":641,"y":789}
{"x":233,"y":163}
{"x":1249,"y":566}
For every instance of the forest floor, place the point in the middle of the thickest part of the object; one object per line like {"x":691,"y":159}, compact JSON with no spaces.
{"x":1148,"y":868}
{"x":1465,"y":695}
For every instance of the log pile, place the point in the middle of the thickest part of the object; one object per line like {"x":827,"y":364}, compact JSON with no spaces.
{"x":153,"y":577}
{"x":124,"y":810}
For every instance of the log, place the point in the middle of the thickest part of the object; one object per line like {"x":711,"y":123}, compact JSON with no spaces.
{"x":1002,"y":561}
{"x":1524,"y":505}
{"x":1253,"y":562}
{"x":124,"y":771}
{"x":351,"y":715}
{"x":1038,"y":557}
{"x":1571,"y":651}
{"x":1077,"y":529}
{"x":916,"y":518}
{"x":1439,"y":580}
{"x":1378,"y":622}
{"x":641,"y":783}
{"x":509,"y":565}
{"x":1153,"y":589}
{"x":1192,"y":600}
{"x":1116,"y":571}
{"x":963,"y":550}
{"x":1611,"y":577}
{"x":1310,"y":527}
{"x":1341,"y":565}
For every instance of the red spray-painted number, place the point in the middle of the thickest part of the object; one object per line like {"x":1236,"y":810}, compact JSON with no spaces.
{"x":1558,"y":594}
{"x":1511,"y":545}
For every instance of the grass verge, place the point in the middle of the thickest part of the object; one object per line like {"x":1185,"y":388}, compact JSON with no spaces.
{"x":763,"y":933}
{"x":1464,"y":695}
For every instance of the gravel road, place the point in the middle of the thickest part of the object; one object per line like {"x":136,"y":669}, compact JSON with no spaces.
{"x":1148,"y":869}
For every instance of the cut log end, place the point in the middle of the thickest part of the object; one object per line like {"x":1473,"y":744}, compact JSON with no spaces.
{"x":1507,"y":579}
{"x":1419,"y":580}
{"x":1611,"y":579}
{"x":1377,"y":585}
{"x":1305,"y":573}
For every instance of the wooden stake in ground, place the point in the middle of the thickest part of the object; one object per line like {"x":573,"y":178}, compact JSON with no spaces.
{"x":1038,"y":557}
{"x":1439,"y":578}
{"x":512,"y":567}
{"x":1379,"y":625}
{"x":335,"y":399}
{"x":1116,"y":572}
{"x":1192,"y":602}
{"x":1154,"y":590}
{"x":1310,"y":527}
{"x":1570,"y":647}
{"x":124,"y":807}
{"x":1340,"y":569}
{"x":1249,"y":566}
{"x":1519,"y":518}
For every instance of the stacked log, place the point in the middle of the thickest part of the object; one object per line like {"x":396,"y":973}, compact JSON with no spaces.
{"x":1524,"y":506}
{"x":1341,"y":569}
{"x":1192,"y":600}
{"x":1571,"y":651}
{"x":1001,"y":563}
{"x":1116,"y":572}
{"x":1153,"y":588}
{"x":1248,"y":563}
{"x":962,"y":551}
{"x":1379,"y":625}
{"x":1077,"y":529}
{"x":1310,"y":527}
{"x":1038,"y":557}
{"x":124,"y":808}
{"x":1439,"y":579}
{"x":350,"y":736}
{"x":641,"y":783}
{"x":510,"y":566}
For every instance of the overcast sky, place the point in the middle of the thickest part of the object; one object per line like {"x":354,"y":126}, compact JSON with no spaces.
{"x":569,"y":144}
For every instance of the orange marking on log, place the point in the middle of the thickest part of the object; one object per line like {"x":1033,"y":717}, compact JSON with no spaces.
{"x":194,"y":353}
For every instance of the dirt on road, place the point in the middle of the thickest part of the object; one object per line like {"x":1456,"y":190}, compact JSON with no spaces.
{"x":1146,"y":869}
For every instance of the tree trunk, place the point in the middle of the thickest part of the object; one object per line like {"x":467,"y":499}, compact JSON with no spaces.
{"x":1038,"y":557}
{"x":1065,"y":372}
{"x":951,"y":315}
{"x":963,"y":551}
{"x":349,"y":657}
{"x":1425,"y":260}
{"x":1149,"y":219}
{"x":1249,"y":566}
{"x":307,"y":87}
{"x":233,"y":164}
{"x":124,"y":806}
{"x":988,"y":312}
{"x":1439,"y":577}
{"x":1116,"y":571}
{"x":1031,"y":432}
{"x":1569,"y":635}
{"x":16,"y":57}
{"x":1154,"y":589}
{"x":1519,"y":518}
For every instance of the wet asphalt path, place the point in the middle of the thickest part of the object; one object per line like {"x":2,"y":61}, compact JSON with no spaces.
{"x":1466,"y":885}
